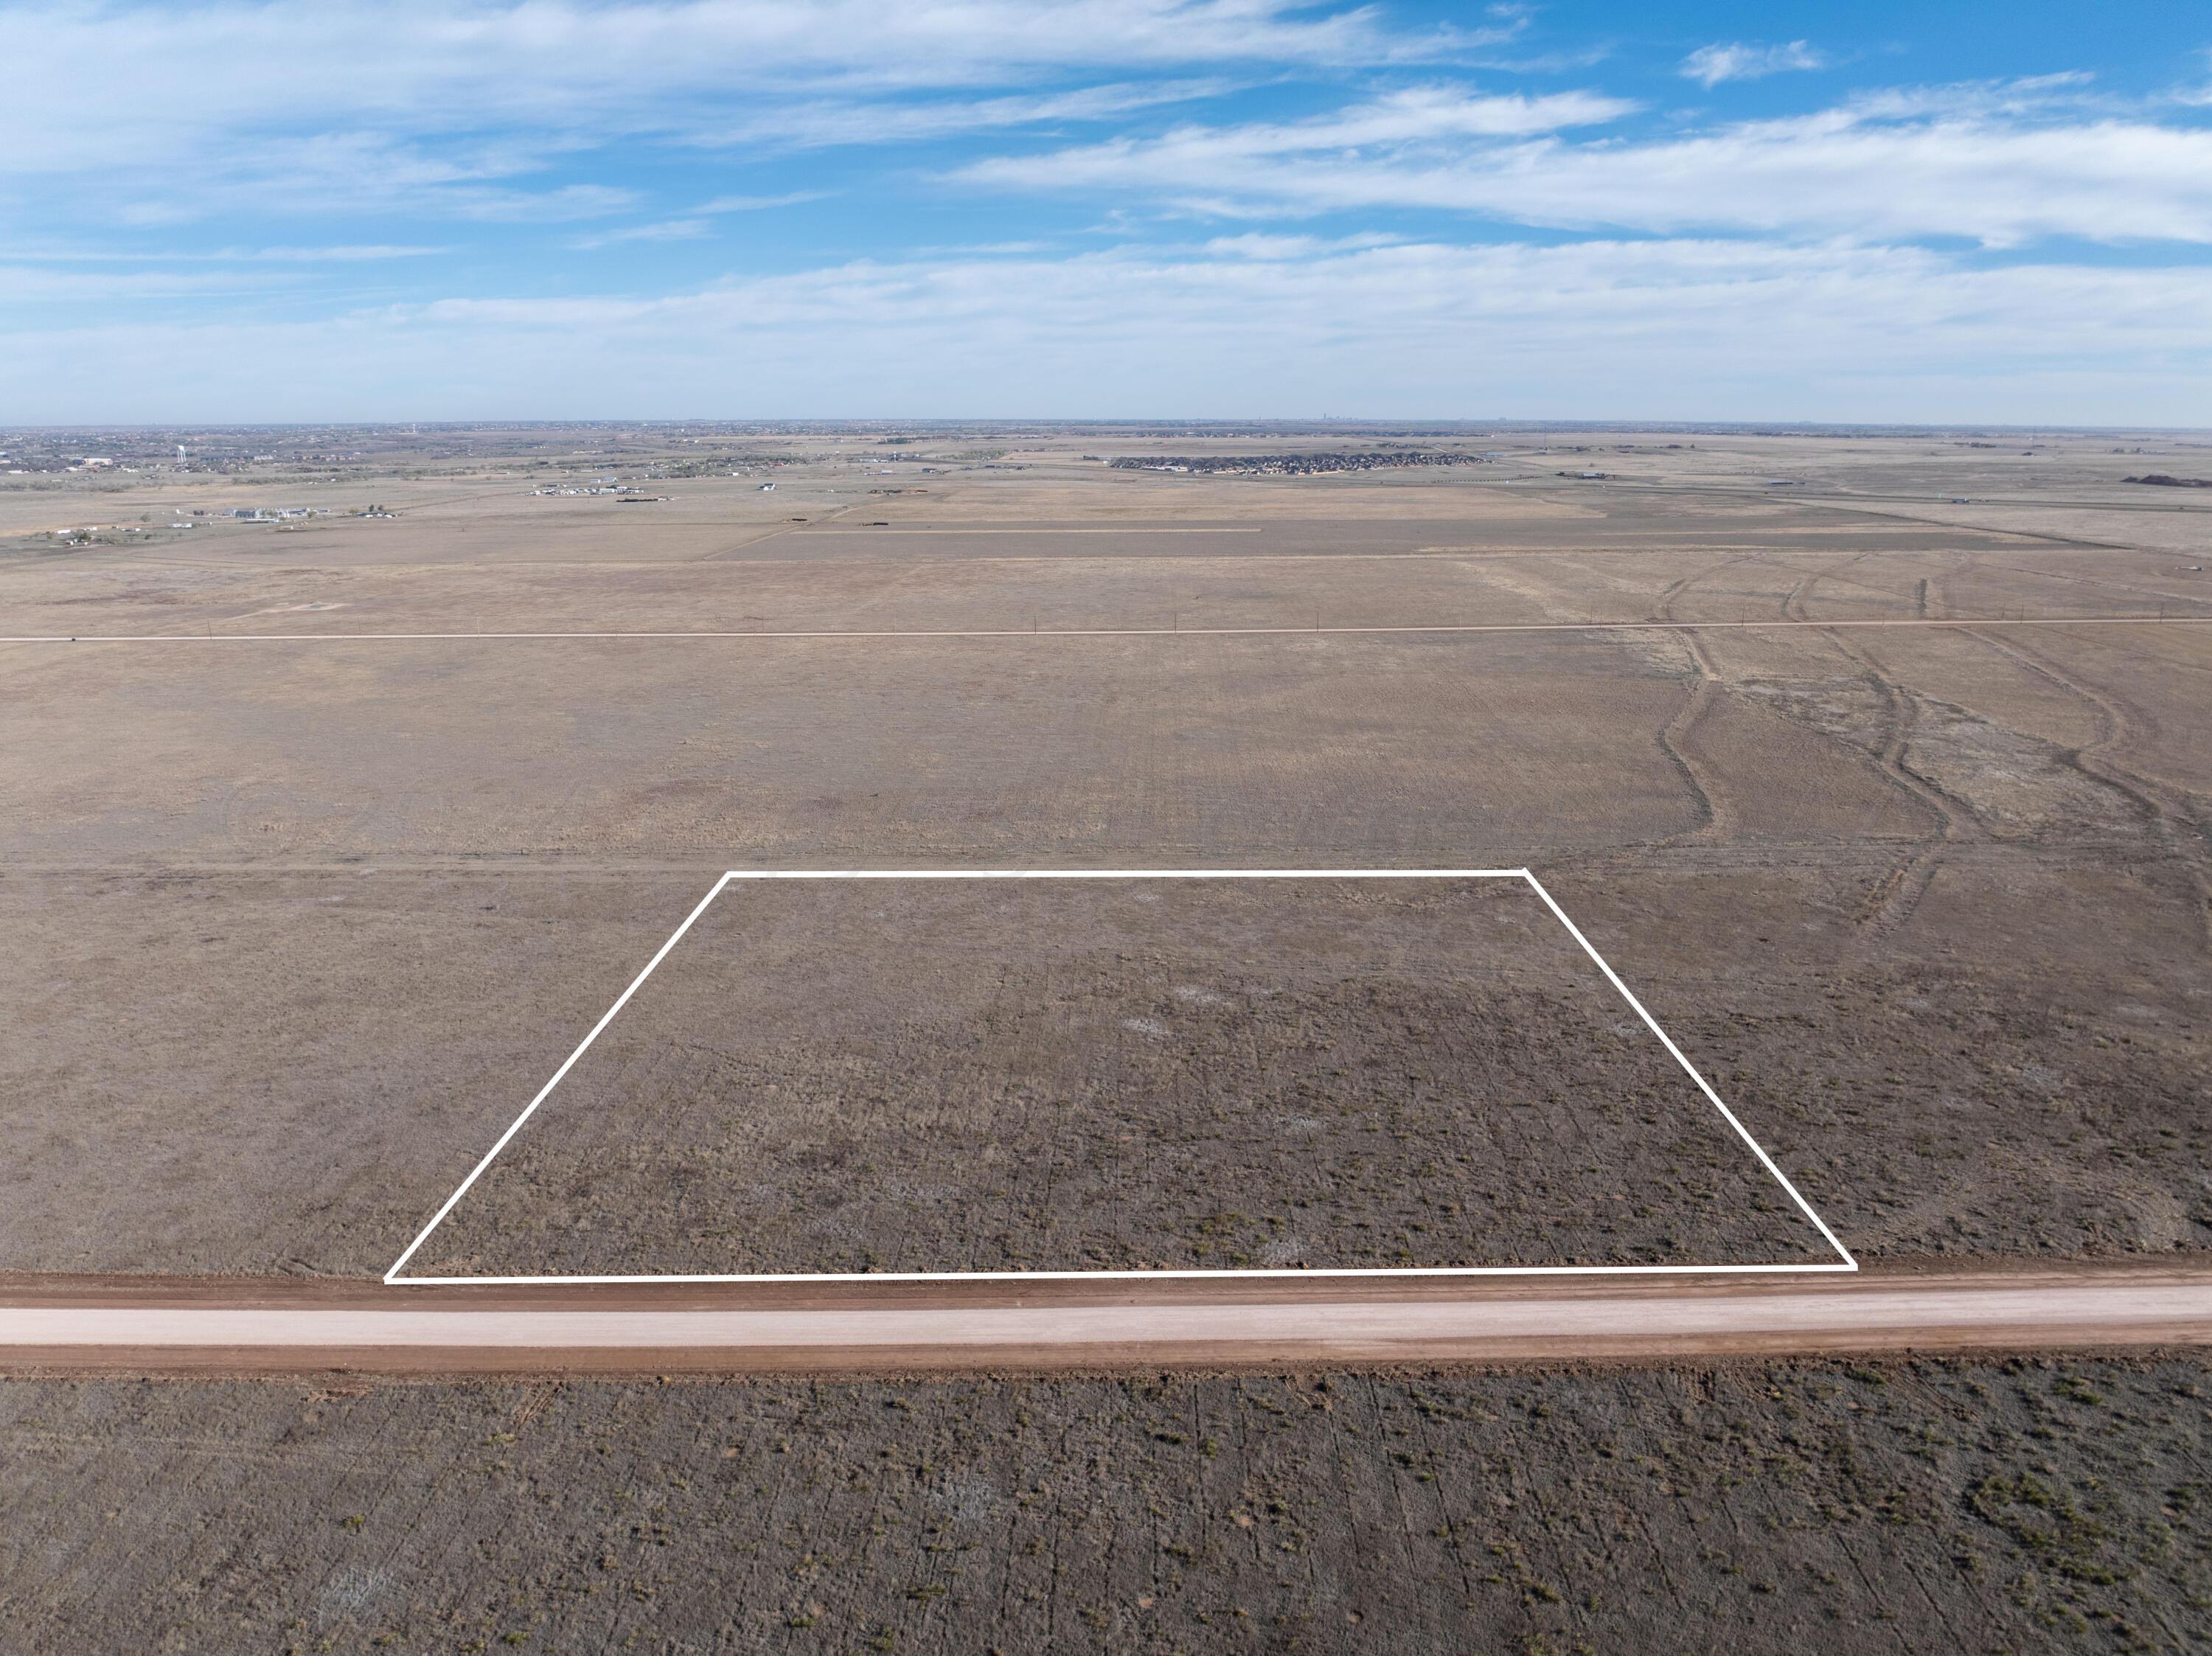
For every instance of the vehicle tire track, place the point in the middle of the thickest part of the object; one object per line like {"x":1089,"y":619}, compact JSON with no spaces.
{"x":2115,"y":719}
{"x":724,"y":552}
{"x":2186,"y":837}
{"x":1793,"y":606}
{"x":1719,"y":818}
{"x":1894,"y":900}
{"x":1898,"y":894}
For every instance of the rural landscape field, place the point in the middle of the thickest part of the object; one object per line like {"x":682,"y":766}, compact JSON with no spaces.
{"x":1105,"y":828}
{"x":350,"y":786}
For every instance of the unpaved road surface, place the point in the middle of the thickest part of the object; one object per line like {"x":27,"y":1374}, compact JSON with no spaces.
{"x":92,"y":1323}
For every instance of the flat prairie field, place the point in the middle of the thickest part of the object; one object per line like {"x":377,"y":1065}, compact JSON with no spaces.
{"x":1362,"y":1514}
{"x":325,"y":843}
{"x":865,"y":1075}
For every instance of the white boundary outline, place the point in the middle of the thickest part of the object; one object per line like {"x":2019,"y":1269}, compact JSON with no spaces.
{"x":1847,"y":1262}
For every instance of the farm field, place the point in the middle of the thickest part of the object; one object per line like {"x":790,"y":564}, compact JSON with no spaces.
{"x":1926,"y":902}
{"x":1874,"y":764}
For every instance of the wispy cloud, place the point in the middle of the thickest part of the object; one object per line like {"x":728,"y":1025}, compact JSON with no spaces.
{"x":567,"y":203}
{"x":2198,"y":97}
{"x":174,"y":82}
{"x":348,"y":254}
{"x":1289,"y":248}
{"x":344,"y":254}
{"x":2000,"y":163}
{"x":43,"y":283}
{"x":1710,"y":65}
{"x":435,"y":108}
{"x":319,"y":175}
{"x":1682,"y":291}
{"x":1678,"y":328}
{"x":1194,"y":158}
{"x":759,"y":204}
{"x":1491,"y":216}
{"x":666,"y":230}
{"x":829,"y":124}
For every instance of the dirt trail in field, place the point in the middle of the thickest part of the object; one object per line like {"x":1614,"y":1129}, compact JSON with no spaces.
{"x":1899,"y":895}
{"x":1719,"y":824}
{"x":291,"y":1326}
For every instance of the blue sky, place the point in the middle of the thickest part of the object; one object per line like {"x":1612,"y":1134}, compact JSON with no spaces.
{"x":1145,"y":208}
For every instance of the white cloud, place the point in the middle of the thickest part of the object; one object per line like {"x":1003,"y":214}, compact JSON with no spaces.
{"x":1223,"y":159}
{"x":1997,"y":165}
{"x":159,"y":114}
{"x":2026,"y":98}
{"x":827,"y":124}
{"x":2200,"y":96}
{"x":1710,"y":65}
{"x":758,"y":203}
{"x":353,"y":174}
{"x":1685,"y":329}
{"x":1279,"y":247}
{"x":175,"y":84}
{"x":221,"y":256}
{"x":1784,"y":266}
{"x":666,"y":230}
{"x":348,"y":254}
{"x":980,"y":249}
{"x":43,"y":284}
{"x":566,"y":204}
{"x":1422,"y":115}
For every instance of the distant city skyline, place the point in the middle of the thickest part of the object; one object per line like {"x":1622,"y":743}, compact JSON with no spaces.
{"x":1226,"y":209}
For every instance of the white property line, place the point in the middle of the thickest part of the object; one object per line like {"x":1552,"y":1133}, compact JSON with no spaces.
{"x":1846,"y":1261}
{"x":1114,"y":632}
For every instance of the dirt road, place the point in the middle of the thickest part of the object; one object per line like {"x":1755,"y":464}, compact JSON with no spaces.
{"x":786,"y":635}
{"x":279,"y":1327}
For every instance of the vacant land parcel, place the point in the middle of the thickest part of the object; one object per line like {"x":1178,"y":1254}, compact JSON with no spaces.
{"x":996,"y":1073}
{"x":1894,"y":817}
